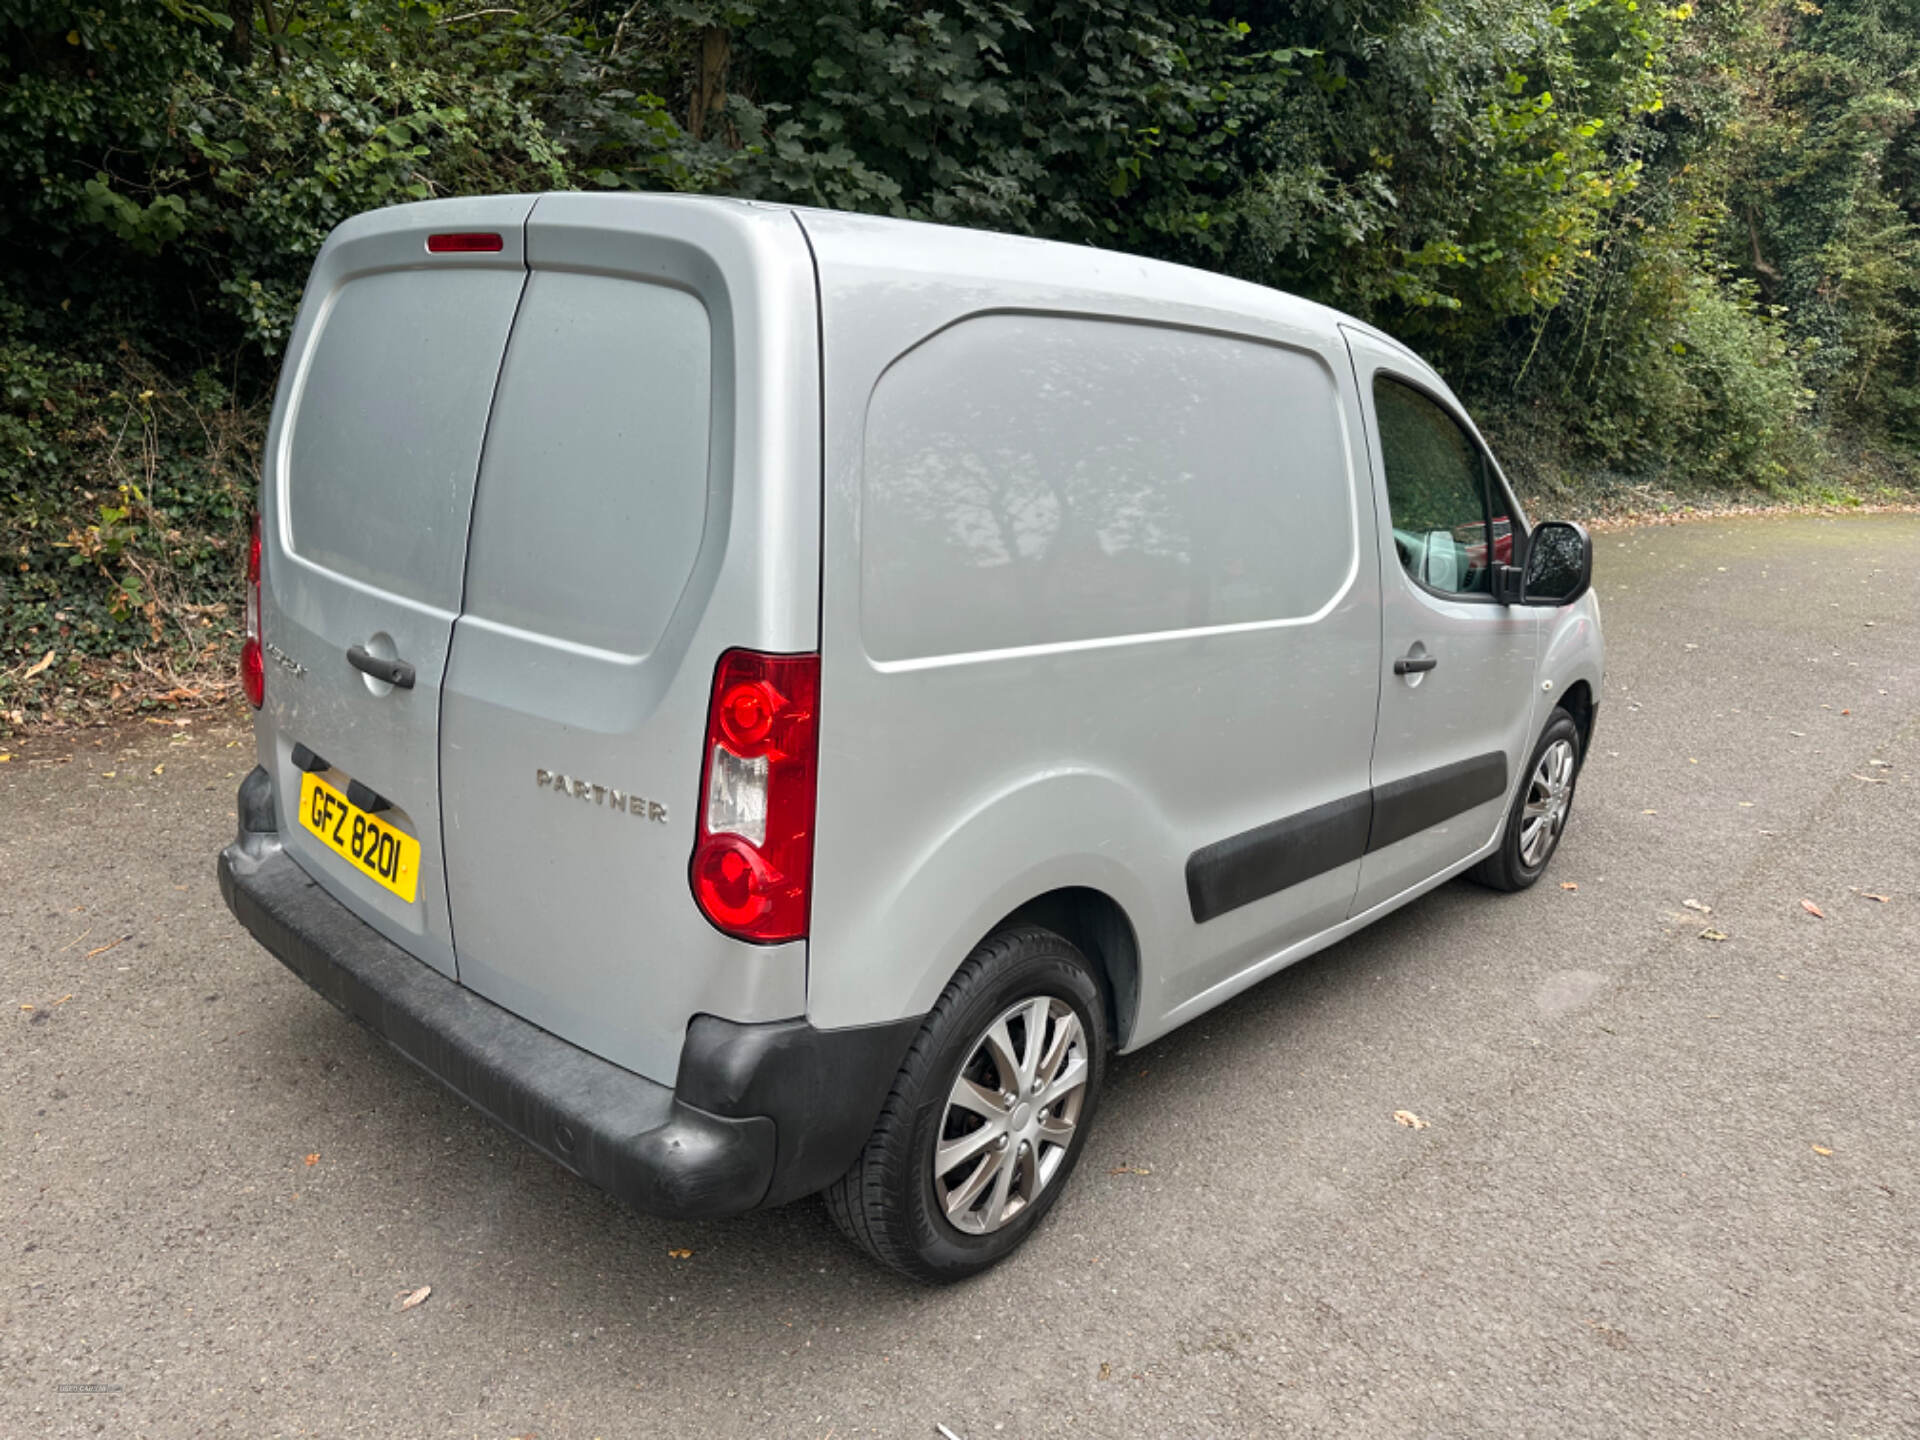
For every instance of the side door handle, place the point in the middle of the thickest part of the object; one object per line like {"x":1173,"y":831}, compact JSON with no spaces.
{"x":397,"y":673}
{"x":1415,"y":664}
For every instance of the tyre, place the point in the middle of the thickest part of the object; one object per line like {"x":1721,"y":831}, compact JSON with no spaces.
{"x":1540,"y":809}
{"x":988,"y":1115}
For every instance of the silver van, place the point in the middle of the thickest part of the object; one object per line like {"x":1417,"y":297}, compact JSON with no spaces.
{"x":762,"y":701}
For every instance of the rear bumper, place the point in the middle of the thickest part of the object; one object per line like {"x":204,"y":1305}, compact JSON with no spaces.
{"x":759,"y":1114}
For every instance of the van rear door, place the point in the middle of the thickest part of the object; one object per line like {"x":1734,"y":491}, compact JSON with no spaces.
{"x":367,"y":493}
{"x":649,"y":499}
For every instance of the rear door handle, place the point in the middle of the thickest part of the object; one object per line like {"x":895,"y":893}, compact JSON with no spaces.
{"x":397,"y":673}
{"x":1414,"y":664}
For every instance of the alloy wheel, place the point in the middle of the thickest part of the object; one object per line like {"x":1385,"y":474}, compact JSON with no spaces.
{"x":1011,"y":1115}
{"x":1549,"y":797}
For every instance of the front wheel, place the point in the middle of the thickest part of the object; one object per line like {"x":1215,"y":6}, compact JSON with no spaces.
{"x":988,"y":1115}
{"x":1540,"y":809}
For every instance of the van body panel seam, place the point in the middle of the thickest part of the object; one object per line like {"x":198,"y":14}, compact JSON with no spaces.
{"x":466,"y":555}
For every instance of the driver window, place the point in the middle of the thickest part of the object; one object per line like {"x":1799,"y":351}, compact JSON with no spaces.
{"x":1436,"y":492}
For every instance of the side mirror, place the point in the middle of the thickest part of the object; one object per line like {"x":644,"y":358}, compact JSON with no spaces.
{"x":1559,"y":564}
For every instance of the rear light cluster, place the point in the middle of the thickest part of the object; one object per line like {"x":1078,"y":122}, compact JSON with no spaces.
{"x":253,"y":663}
{"x":752,"y":864}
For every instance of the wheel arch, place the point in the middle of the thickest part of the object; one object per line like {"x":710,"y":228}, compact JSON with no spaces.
{"x":1572,"y":662}
{"x":1099,"y":928}
{"x":1578,"y":702}
{"x":902,"y":918}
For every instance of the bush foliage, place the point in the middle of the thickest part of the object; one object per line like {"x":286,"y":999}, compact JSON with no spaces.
{"x":1679,"y":242}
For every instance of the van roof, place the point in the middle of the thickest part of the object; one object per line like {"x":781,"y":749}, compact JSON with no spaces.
{"x":991,"y":269}
{"x":982,"y":260}
{"x":995,"y":255}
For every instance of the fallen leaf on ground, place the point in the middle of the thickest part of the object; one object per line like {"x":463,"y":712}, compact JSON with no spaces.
{"x":417,"y":1297}
{"x":1106,"y":1370}
{"x":1869,"y":895}
{"x":1696,"y":905}
{"x":680,"y":1254}
{"x":1821,"y":1150}
{"x":1569,"y":885}
{"x":1649,"y":812}
{"x":160,"y":768}
{"x":314,"y":1159}
{"x":1409,"y":1119}
{"x":1813,"y":910}
{"x":25,"y":1006}
{"x":1131,"y":1170}
{"x":1712,"y":934}
{"x":4,"y":758}
{"x":42,"y":663}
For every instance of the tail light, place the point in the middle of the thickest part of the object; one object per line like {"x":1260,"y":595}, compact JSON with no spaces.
{"x":752,"y":867}
{"x":253,"y":664}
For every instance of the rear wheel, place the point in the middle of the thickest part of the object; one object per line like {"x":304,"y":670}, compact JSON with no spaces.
{"x":988,"y":1115}
{"x":1540,"y":809}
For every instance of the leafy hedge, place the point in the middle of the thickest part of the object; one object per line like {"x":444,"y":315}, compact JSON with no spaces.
{"x":1675,"y":242}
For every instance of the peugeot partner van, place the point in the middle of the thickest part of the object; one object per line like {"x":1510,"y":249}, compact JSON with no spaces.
{"x":760,"y":701}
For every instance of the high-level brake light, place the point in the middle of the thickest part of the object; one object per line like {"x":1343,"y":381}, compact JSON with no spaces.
{"x":464,"y":243}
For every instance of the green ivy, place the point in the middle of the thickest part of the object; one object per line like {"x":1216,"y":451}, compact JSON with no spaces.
{"x":1675,"y":241}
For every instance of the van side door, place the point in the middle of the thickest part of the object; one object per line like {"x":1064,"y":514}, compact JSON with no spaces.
{"x":1456,"y":688}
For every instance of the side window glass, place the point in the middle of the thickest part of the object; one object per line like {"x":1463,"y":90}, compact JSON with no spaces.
{"x":1436,"y":492}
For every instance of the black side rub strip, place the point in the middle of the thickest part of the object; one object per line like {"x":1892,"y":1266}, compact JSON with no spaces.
{"x":1257,"y":863}
{"x":1406,"y":807}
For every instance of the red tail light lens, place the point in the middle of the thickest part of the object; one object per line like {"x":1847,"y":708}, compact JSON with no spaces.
{"x":752,"y":870}
{"x":464,"y":243}
{"x":253,"y":664}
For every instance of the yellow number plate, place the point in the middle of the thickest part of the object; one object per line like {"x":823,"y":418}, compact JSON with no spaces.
{"x":371,"y":846}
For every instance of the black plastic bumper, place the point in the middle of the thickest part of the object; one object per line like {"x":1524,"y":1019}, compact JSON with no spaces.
{"x":759,"y":1114}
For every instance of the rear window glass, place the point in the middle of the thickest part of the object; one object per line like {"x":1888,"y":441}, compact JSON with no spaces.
{"x":388,"y":426}
{"x":593,"y":495}
{"x":1037,"y":479}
